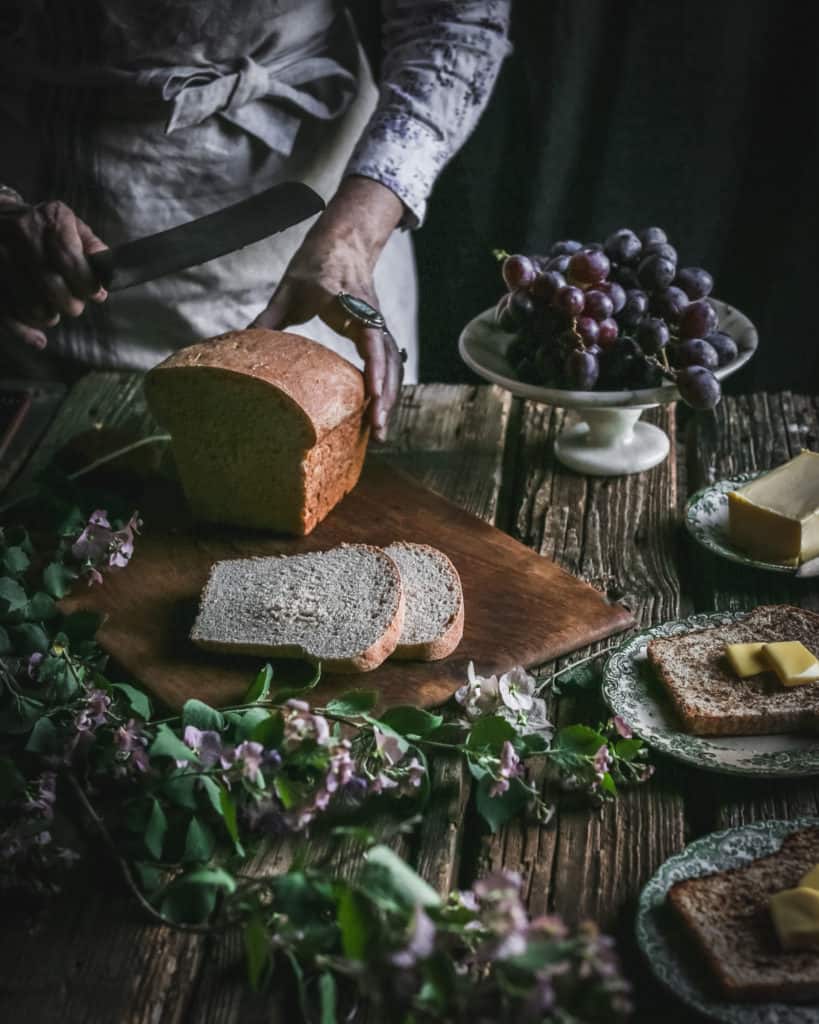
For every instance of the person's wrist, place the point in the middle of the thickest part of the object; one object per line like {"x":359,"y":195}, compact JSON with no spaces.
{"x":363,"y":214}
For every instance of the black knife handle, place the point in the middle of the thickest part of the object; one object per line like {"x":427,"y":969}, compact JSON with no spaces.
{"x":102,"y":263}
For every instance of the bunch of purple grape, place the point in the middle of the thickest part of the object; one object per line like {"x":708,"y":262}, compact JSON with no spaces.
{"x":612,"y":316}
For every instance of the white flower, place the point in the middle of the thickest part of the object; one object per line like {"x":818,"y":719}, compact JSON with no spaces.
{"x":517,"y":689}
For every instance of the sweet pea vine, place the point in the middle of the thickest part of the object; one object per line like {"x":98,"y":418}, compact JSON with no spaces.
{"x":180,"y":801}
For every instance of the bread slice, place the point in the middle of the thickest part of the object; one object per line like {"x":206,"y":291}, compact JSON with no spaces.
{"x":727,"y":916}
{"x":343,"y":608}
{"x":712,"y":701}
{"x":268,"y":428}
{"x":434,"y":598}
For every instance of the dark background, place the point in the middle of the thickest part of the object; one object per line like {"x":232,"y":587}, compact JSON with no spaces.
{"x":697,"y":116}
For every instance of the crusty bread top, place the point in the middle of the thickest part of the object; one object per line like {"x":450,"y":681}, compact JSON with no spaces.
{"x":695,"y":670}
{"x":728,"y":915}
{"x":319,"y":381}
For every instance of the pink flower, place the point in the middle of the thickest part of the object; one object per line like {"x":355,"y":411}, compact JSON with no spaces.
{"x":622,"y":728}
{"x":208,"y":745}
{"x":389,"y":747}
{"x":382,"y":782}
{"x":131,"y":743}
{"x":33,"y":665}
{"x":602,"y":761}
{"x":301,"y":724}
{"x":250,"y":755}
{"x":509,"y":768}
{"x":421,"y":944}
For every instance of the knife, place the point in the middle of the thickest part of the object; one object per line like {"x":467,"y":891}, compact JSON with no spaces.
{"x":203,"y":239}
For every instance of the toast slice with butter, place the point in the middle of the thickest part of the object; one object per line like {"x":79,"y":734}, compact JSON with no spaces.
{"x":708,"y":696}
{"x":728,"y":918}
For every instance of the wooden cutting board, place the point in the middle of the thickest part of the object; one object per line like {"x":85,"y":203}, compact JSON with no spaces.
{"x":521,"y":608}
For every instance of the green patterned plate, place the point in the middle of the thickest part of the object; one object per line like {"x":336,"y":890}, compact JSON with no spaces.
{"x":678,"y":967}
{"x":706,"y":519}
{"x":631,"y":691}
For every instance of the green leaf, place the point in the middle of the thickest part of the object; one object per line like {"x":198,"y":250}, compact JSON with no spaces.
{"x":411,"y":721}
{"x":150,"y":876}
{"x":607,"y":784}
{"x":327,"y":998}
{"x":286,"y":791}
{"x":41,"y":607}
{"x":354,"y":917}
{"x":138,"y":702}
{"x":270,"y":731}
{"x":202,"y":716}
{"x":29,"y":638}
{"x":286,"y":692}
{"x":43,"y":738}
{"x":533,"y":743}
{"x":12,"y":782}
{"x":191,"y":899}
{"x":579,"y":739}
{"x":21,"y":715}
{"x":12,"y":596}
{"x":354,"y":702}
{"x":168,"y":744}
{"x":229,"y":815}
{"x":80,"y":627}
{"x":17,"y":536}
{"x":213,"y":792}
{"x":581,"y":677}
{"x":180,"y":789}
{"x":245,"y":722}
{"x":628,"y":749}
{"x":57,"y":579}
{"x":490,"y":733}
{"x":5,"y":642}
{"x":260,"y":687}
{"x":497,"y":810}
{"x":14,"y":561}
{"x":155,"y":830}
{"x":258,"y":954}
{"x":389,"y":874}
{"x":199,"y":841}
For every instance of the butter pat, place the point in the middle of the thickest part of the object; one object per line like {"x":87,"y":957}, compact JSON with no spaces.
{"x":775,"y":518}
{"x":811,"y":879}
{"x":792,"y":662}
{"x":795,"y":915}
{"x":746,"y":659}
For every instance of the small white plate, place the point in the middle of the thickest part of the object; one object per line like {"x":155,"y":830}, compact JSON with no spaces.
{"x":632,"y":691}
{"x":658,"y":934}
{"x":706,"y":519}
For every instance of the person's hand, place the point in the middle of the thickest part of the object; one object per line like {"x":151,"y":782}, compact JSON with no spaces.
{"x":44,"y":273}
{"x":338,"y":255}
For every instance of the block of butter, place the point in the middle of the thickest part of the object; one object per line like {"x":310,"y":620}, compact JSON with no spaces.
{"x":792,"y":662}
{"x":775,"y":518}
{"x":811,"y":879}
{"x":795,"y":915}
{"x":747,"y":659}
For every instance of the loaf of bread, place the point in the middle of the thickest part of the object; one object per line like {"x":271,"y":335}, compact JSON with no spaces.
{"x":268,"y":428}
{"x":727,"y":916}
{"x":708,"y":696}
{"x":343,"y":608}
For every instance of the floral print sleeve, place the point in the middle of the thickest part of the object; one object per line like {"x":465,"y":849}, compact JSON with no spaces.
{"x":440,"y":64}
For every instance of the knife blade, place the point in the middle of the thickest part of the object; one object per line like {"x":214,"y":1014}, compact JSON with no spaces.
{"x":203,"y":239}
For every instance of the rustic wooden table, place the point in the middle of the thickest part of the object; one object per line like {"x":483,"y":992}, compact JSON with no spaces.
{"x":88,"y":956}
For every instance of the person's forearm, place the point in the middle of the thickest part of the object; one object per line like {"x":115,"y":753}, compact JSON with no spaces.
{"x":362,"y":214}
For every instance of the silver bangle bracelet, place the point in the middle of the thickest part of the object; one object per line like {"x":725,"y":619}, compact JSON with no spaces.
{"x":7,"y":192}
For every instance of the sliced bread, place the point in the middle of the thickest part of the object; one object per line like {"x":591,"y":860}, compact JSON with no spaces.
{"x":343,"y":608}
{"x":267,"y":428}
{"x":727,"y":916}
{"x":434,"y":599}
{"x":711,"y":700}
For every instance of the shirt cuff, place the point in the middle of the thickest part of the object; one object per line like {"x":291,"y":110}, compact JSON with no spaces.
{"x":405,"y":155}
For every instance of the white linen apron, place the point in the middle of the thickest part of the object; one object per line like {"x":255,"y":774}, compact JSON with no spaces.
{"x":282,"y":94}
